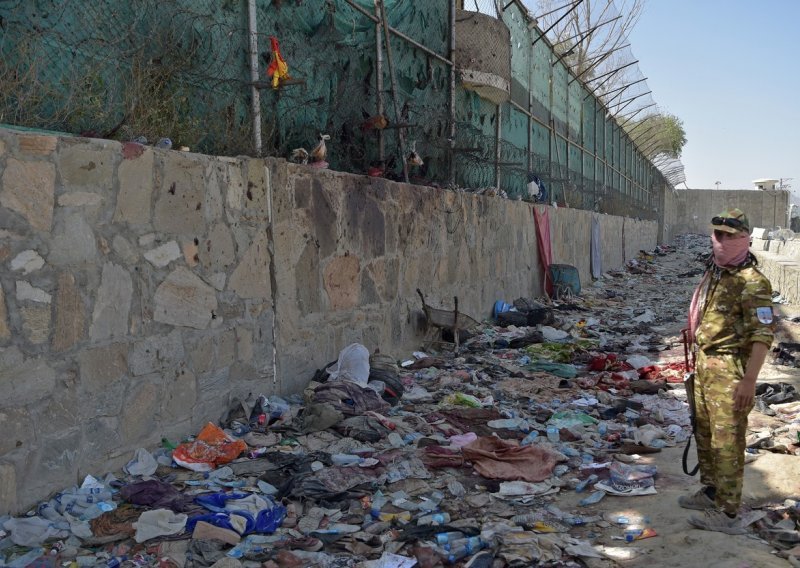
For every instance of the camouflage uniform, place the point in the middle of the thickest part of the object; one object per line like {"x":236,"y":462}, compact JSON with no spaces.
{"x":736,"y":312}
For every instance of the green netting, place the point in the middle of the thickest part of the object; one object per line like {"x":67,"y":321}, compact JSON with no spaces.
{"x":180,"y":69}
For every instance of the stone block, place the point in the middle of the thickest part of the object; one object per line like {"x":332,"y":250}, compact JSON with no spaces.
{"x":324,"y":219}
{"x":226,"y":348}
{"x":70,"y":314}
{"x":27,"y":261}
{"x":101,"y":437}
{"x":218,"y":252}
{"x":124,"y":249}
{"x":218,"y":280}
{"x":17,"y":428}
{"x":37,"y":145}
{"x":183,"y":299}
{"x":61,"y":415}
{"x":36,"y":323}
{"x":257,"y":192}
{"x":28,"y":189}
{"x":102,"y":366}
{"x":163,"y":255}
{"x":201,"y":355}
{"x":244,"y":341}
{"x":250,"y":280}
{"x":214,"y":204}
{"x":135,"y":177}
{"x":235,"y":189}
{"x":53,"y":464}
{"x":180,"y":396}
{"x":80,"y":199}
{"x":73,"y":241}
{"x":180,"y":202}
{"x":156,"y":353}
{"x":5,"y":330}
{"x":302,"y":192}
{"x":24,"y":381}
{"x":307,"y":279}
{"x":26,"y":292}
{"x":191,"y":253}
{"x":87,"y":164}
{"x":8,"y":489}
{"x":139,"y":412}
{"x":341,"y":282}
{"x":113,"y":304}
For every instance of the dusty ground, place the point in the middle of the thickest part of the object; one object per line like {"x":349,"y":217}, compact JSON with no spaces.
{"x":771,"y":478}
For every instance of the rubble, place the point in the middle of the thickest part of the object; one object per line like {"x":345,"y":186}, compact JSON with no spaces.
{"x":438,"y":459}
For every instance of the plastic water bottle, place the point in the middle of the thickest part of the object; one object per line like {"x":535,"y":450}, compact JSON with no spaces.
{"x":553,"y":434}
{"x":462,"y":549}
{"x":448,"y":537}
{"x":434,"y":519}
{"x":602,"y":429}
{"x":583,"y":484}
{"x":412,"y":437}
{"x":528,"y":440}
{"x":346,"y":459}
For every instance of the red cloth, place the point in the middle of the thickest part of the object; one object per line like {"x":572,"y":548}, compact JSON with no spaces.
{"x":542,"y":218}
{"x":494,"y":458}
{"x":608,"y":362}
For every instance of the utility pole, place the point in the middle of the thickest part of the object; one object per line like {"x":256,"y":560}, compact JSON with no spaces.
{"x":717,"y":183}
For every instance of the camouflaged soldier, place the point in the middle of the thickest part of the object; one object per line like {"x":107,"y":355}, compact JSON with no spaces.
{"x":731,"y":321}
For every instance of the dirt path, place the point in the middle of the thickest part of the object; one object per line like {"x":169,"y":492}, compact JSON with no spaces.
{"x":771,"y":478}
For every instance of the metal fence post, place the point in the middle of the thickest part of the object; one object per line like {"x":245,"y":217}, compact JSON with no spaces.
{"x":255,"y":95}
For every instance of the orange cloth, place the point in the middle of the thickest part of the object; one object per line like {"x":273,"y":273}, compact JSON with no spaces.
{"x":278,"y":68}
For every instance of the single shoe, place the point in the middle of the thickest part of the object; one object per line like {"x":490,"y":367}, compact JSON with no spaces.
{"x":718,"y":521}
{"x":699,"y":501}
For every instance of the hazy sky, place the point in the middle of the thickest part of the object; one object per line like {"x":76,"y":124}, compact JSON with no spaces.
{"x":730,"y":69}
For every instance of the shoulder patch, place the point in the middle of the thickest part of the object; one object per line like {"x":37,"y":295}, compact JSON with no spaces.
{"x":764,"y":314}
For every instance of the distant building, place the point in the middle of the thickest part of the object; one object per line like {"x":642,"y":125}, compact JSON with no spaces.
{"x":767,"y":183}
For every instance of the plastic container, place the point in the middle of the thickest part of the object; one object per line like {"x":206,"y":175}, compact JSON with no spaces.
{"x":463,"y":548}
{"x":500,"y":307}
{"x":592,"y":499}
{"x":581,"y":487}
{"x":565,"y":276}
{"x":530,"y":438}
{"x":447,"y":538}
{"x":553,"y":434}
{"x":346,"y":459}
{"x":434,"y":519}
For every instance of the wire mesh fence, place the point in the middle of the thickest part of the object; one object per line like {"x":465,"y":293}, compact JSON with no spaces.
{"x":180,"y":69}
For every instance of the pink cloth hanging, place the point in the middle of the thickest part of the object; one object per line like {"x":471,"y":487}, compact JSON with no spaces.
{"x":542,"y":218}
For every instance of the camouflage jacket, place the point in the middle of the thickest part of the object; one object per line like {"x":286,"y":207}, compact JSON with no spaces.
{"x":736,"y":311}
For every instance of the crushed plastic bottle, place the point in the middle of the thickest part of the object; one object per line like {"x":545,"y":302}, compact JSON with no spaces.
{"x":346,"y":459}
{"x":529,"y":439}
{"x":434,"y":519}
{"x":463,"y":548}
{"x":581,"y":487}
{"x":553,"y":434}
{"x":592,"y":499}
{"x":455,"y":488}
{"x":448,"y":537}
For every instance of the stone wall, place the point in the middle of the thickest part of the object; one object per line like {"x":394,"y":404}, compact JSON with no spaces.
{"x":141,"y":290}
{"x":690,"y":211}
{"x":135,"y":301}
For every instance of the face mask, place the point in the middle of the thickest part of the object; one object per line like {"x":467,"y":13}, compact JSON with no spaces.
{"x":730,"y":251}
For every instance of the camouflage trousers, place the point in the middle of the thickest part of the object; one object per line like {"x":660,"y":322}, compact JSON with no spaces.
{"x":720,"y":430}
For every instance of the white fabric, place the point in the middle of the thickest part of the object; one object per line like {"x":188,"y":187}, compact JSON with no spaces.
{"x":353,"y":365}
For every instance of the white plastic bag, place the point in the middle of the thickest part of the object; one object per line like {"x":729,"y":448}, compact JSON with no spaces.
{"x":353,"y":365}
{"x":158,"y":522}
